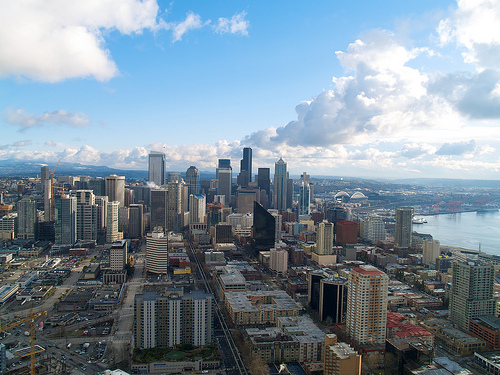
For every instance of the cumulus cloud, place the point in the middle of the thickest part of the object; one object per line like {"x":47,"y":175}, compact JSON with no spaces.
{"x":60,"y":40}
{"x":416,"y":150}
{"x":458,"y":148}
{"x":236,"y":25}
{"x":383,"y":98}
{"x":51,"y":42}
{"x":26,"y":120}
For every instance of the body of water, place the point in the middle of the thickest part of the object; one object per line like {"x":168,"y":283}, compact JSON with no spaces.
{"x":466,"y":229}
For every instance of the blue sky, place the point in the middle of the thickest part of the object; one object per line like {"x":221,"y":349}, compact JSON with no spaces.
{"x":352,"y":88}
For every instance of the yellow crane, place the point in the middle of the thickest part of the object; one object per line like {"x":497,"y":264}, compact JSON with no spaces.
{"x":30,"y":319}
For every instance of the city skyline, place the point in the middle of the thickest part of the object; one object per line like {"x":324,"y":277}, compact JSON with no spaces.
{"x":348,"y":89}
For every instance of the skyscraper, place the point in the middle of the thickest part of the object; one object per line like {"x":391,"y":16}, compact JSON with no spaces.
{"x":156,"y":167}
{"x":264,"y":184}
{"x":263,"y":228}
{"x":193,"y":180}
{"x":65,"y":220}
{"x":324,"y":238}
{"x":224,"y":174}
{"x":118,"y":255}
{"x":98,"y":186}
{"x":159,"y":201}
{"x":304,"y":195}
{"x":115,"y":189}
{"x":430,"y":251}
{"x":197,"y":210}
{"x":280,"y":185}
{"x":471,"y":292}
{"x":136,"y":221}
{"x":245,"y":176}
{"x":404,"y":227}
{"x":27,"y":219}
{"x":173,"y":318}
{"x":112,"y":233}
{"x":157,"y":252}
{"x":374,"y":229}
{"x":175,"y":205}
{"x":174,"y":176}
{"x":367,"y":305}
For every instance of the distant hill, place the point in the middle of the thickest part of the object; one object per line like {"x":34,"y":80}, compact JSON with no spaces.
{"x":449,"y":182}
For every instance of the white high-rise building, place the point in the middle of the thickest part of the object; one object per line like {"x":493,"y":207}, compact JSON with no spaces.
{"x":157,"y":252}
{"x":197,"y":208}
{"x":65,"y":220}
{"x":324,"y":238}
{"x":278,"y":261}
{"x":430,"y":251}
{"x":367,"y":305}
{"x":374,"y":229}
{"x":87,"y":215}
{"x":112,"y":232}
{"x":156,"y":167}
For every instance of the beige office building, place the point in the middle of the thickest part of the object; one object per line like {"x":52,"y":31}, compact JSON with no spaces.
{"x":157,"y":252}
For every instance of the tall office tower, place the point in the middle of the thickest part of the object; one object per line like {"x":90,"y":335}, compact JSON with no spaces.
{"x":340,"y":358}
{"x":102,"y":211}
{"x":193,"y":181}
{"x":115,"y":189}
{"x":277,"y":225}
{"x":278,"y":261}
{"x":157,"y":252}
{"x":98,"y":186}
{"x":123,"y":217}
{"x":245,"y":176}
{"x":47,"y":198}
{"x":87,"y":215}
{"x":304,"y":195}
{"x":404,"y":227}
{"x":159,"y":202}
{"x":224,"y":175}
{"x":156,"y":167}
{"x":280,"y":185}
{"x":112,"y":232}
{"x":289,"y":193}
{"x":327,"y":294}
{"x":245,"y":199}
{"x":374,"y":229}
{"x":65,"y":220}
{"x":118,"y":255}
{"x":141,"y":194}
{"x":264,"y":184}
{"x":174,"y":176}
{"x":471,"y":292}
{"x":430,"y":252}
{"x":128,"y":197}
{"x":27,"y":219}
{"x":175,"y":206}
{"x":367,"y":305}
{"x":136,"y":221}
{"x":263,"y":228}
{"x":197,"y":210}
{"x":44,"y":173}
{"x":324,"y":238}
{"x":173,"y":318}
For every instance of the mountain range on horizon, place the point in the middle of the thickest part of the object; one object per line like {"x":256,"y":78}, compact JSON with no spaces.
{"x":17,"y":168}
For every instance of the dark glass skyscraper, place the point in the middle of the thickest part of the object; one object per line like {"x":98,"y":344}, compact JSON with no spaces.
{"x":264,"y":184}
{"x":245,"y":176}
{"x":156,"y":167}
{"x":263,"y":228}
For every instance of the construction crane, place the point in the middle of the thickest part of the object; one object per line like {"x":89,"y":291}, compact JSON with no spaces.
{"x":30,"y":319}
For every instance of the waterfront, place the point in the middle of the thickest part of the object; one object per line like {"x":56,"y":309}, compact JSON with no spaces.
{"x":466,"y":229}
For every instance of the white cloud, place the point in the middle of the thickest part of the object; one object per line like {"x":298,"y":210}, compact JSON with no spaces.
{"x":26,"y":120}
{"x":475,"y":25}
{"x":236,"y":25}
{"x":54,"y":41}
{"x":458,"y":148}
{"x":192,"y":22}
